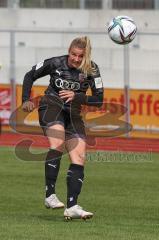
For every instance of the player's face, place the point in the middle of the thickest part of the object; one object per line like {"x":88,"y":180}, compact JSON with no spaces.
{"x":75,"y":57}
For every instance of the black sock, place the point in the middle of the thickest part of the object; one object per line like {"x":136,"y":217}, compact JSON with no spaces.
{"x":75,"y":176}
{"x":52,"y":166}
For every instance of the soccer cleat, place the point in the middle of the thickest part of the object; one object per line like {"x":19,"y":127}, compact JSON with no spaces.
{"x":76,"y":212}
{"x":53,"y":202}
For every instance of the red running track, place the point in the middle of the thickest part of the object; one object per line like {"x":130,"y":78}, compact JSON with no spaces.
{"x":108,"y":144}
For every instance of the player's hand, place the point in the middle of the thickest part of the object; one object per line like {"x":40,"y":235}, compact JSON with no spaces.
{"x":28,"y":106}
{"x":67,"y":94}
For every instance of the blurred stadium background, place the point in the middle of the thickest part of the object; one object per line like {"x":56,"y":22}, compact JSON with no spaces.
{"x":31,"y":31}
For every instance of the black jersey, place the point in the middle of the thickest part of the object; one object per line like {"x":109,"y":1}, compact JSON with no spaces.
{"x":63,"y":77}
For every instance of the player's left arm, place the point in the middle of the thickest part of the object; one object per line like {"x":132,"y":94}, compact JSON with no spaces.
{"x":96,"y":85}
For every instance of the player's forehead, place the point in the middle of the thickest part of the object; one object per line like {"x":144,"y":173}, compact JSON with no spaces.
{"x":77,"y":51}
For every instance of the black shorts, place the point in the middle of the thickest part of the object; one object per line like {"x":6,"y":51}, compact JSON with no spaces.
{"x":53,"y":111}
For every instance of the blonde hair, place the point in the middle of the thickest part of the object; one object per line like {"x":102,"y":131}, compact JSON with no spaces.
{"x":83,"y":43}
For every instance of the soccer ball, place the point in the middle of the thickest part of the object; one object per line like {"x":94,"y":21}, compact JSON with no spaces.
{"x":122,"y":29}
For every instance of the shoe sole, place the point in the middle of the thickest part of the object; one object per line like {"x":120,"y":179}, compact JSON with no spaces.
{"x":68,"y":218}
{"x":47,"y":207}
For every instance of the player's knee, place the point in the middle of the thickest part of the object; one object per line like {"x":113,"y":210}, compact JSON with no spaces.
{"x":80,"y":158}
{"x":57,"y":144}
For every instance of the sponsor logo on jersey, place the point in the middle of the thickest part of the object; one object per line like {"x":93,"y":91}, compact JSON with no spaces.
{"x":64,"y":84}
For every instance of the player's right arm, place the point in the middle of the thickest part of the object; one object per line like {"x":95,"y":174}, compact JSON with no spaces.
{"x":39,"y":70}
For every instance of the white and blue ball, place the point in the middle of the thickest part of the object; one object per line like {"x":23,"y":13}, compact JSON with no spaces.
{"x":122,"y":29}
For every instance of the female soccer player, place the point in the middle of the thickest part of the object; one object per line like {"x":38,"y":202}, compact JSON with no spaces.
{"x":59,"y":116}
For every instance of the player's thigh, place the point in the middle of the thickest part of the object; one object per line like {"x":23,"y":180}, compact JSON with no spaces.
{"x":76,"y":148}
{"x":52,"y":121}
{"x":56,"y":136}
{"x":75,"y":128}
{"x":50,"y":111}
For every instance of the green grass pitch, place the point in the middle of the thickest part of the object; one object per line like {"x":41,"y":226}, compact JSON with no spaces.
{"x":121,"y":189}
